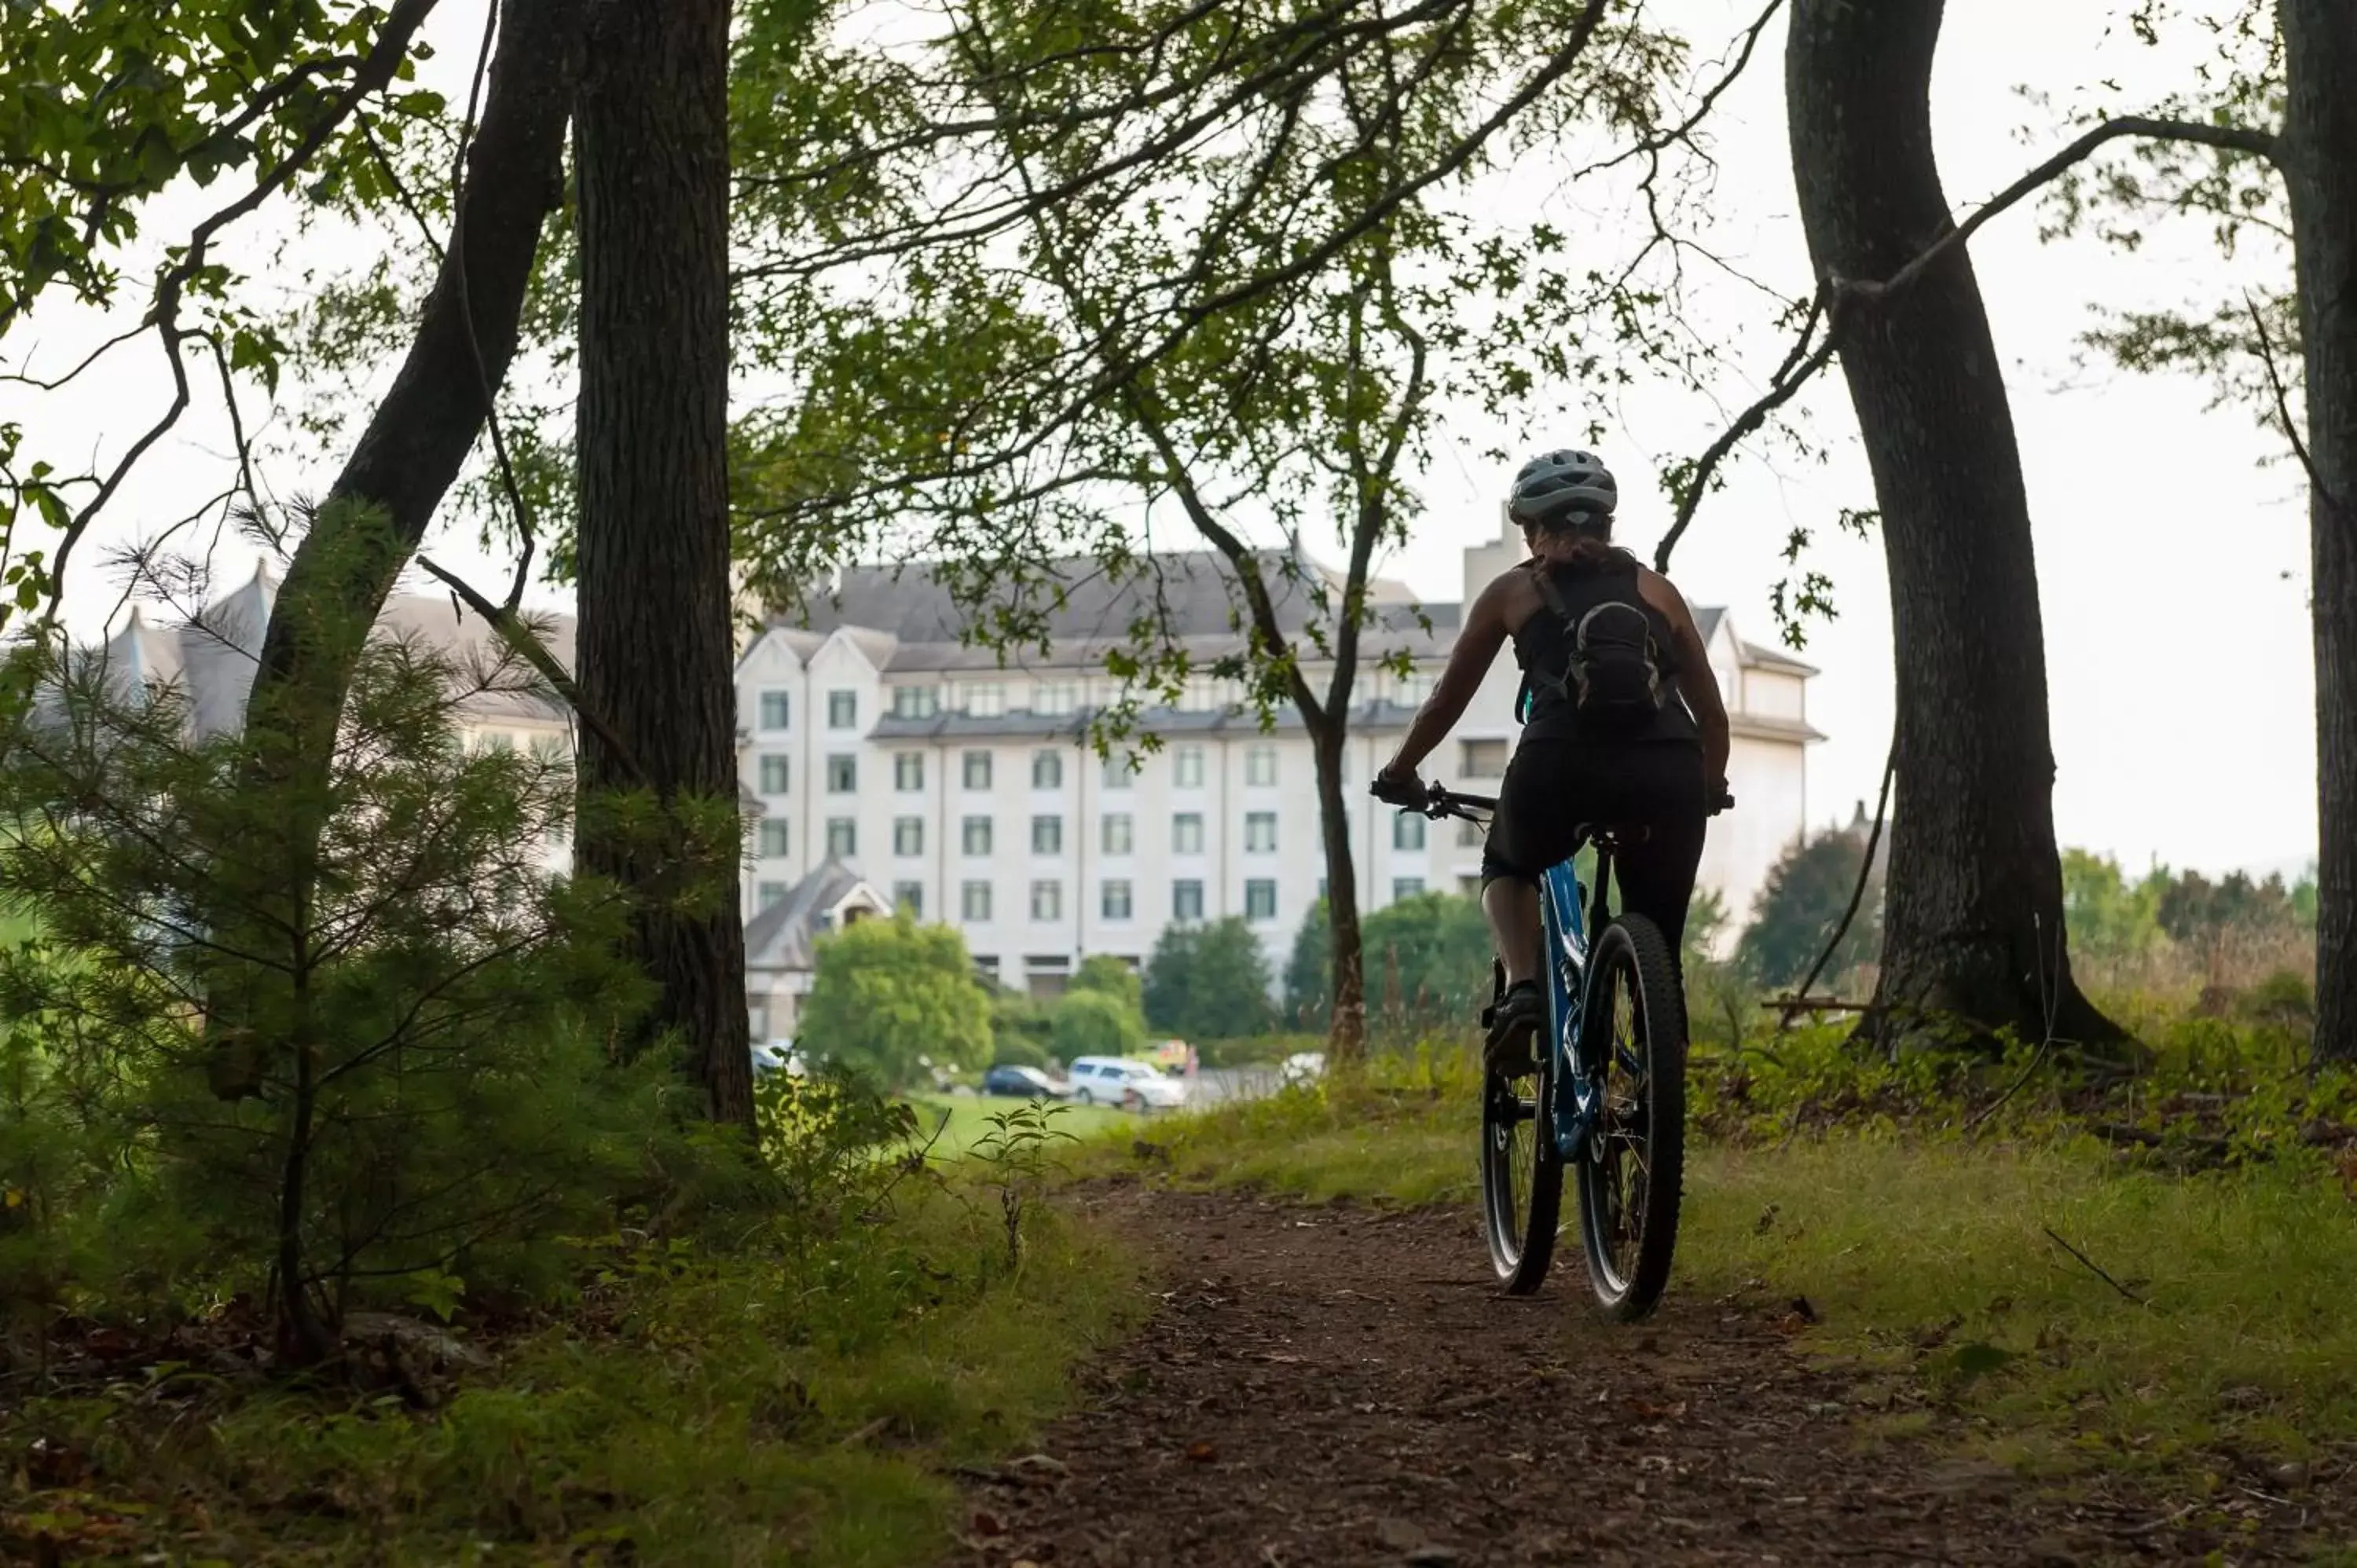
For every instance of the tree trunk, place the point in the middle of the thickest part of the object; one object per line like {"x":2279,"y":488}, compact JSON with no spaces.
{"x":1973,"y":919}
{"x":2318,"y":152}
{"x":656,"y":648}
{"x":376,"y":511}
{"x":1346,"y":1017}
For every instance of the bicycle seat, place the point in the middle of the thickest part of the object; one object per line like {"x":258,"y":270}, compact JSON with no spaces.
{"x":1613,"y":836}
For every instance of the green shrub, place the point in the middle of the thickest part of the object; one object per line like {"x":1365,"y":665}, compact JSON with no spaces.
{"x":364,"y":1066}
{"x":893,"y":999}
{"x":1020,"y":1050}
{"x":1095,"y":1023}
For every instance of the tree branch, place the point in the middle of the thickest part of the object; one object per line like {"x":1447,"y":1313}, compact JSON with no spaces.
{"x":1837,"y":296}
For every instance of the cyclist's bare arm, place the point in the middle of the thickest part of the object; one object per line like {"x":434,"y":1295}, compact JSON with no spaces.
{"x":1487,"y":625}
{"x":1697,"y":682}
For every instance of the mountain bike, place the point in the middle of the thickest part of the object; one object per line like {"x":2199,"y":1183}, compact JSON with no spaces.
{"x":1608,"y":1098}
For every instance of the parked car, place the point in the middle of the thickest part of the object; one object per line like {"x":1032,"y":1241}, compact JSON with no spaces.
{"x":1022,"y":1083}
{"x":1302,"y":1066}
{"x":1118,"y":1081}
{"x":773,"y":1056}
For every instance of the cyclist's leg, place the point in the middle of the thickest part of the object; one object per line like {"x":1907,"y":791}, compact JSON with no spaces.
{"x":1531,"y":830}
{"x":1656,"y":873}
{"x":1511,"y":904}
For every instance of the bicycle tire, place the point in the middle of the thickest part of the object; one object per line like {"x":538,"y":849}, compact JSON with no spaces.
{"x":1643,"y":1118}
{"x":1521,"y":1170}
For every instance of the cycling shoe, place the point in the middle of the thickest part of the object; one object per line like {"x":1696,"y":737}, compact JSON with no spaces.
{"x":1513,"y":1022}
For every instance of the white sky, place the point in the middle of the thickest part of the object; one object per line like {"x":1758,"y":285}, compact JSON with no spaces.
{"x":2149,"y":511}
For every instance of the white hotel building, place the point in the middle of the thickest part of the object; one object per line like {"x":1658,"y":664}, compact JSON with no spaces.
{"x":877,"y":744}
{"x":884,"y":761}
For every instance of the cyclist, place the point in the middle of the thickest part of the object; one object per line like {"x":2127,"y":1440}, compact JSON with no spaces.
{"x":1620,"y":728}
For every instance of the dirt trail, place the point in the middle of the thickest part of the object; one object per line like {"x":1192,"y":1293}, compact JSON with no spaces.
{"x":1338,"y":1386}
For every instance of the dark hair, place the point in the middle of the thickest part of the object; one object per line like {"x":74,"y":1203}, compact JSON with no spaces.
{"x":1591,"y":537}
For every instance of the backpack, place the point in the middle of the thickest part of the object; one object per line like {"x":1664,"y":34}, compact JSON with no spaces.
{"x":1613,"y":681}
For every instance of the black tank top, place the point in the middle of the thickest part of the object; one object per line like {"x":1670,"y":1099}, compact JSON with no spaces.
{"x":1543,"y":646}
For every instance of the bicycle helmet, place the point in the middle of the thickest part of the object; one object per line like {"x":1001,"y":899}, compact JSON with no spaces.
{"x":1555,"y":485}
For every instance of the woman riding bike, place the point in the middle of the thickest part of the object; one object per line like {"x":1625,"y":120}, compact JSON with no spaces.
{"x":1624,"y":725}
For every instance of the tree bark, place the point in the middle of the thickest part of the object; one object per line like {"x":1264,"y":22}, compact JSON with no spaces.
{"x":1973,"y":919}
{"x":1346,"y":1016}
{"x":2318,"y":153}
{"x":656,"y":646}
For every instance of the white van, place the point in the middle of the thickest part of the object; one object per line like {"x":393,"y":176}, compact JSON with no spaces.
{"x":1118,"y":1080}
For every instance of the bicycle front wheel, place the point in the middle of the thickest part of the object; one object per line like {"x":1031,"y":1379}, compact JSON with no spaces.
{"x":1633,"y":1166}
{"x":1522,"y":1172}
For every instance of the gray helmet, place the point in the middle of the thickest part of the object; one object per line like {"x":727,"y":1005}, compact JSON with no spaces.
{"x":1552,"y":487}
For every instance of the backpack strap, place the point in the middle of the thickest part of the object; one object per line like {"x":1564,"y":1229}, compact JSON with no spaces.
{"x":1550,"y":594}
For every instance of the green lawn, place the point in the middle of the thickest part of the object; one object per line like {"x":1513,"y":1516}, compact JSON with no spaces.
{"x":964,"y":1119}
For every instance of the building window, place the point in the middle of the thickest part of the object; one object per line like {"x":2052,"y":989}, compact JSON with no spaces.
{"x":1483,"y":760}
{"x":910,"y":896}
{"x":1187,"y":900}
{"x":909,"y":771}
{"x":1407,"y":831}
{"x":975,"y":835}
{"x":768,"y":894}
{"x":1406,"y":887}
{"x":908,"y":835}
{"x":1116,"y":833}
{"x":776,"y":709}
{"x":1260,"y":832}
{"x":842,"y":775}
{"x":1200,"y":696}
{"x":774,"y":772}
{"x":1115,"y":901}
{"x":984,"y":699}
{"x":1468,"y":833}
{"x":1120,"y":771}
{"x":976,"y":765}
{"x":773,"y":838}
{"x":1047,"y":770}
{"x":1055,"y":698}
{"x":1260,"y":765}
{"x":843,"y":710}
{"x":1046,"y":835}
{"x":973,"y":902}
{"x":1187,"y":833}
{"x":1188,"y":772}
{"x":1260,"y":899}
{"x":986,"y":965}
{"x":916,"y":701}
{"x":1047,"y":900}
{"x":1412,"y":689}
{"x":841,"y":837}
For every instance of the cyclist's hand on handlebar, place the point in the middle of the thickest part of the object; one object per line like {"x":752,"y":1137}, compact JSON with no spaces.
{"x":1398,"y":787}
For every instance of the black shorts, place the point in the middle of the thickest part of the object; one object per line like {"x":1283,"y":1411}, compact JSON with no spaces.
{"x":1553,"y":787}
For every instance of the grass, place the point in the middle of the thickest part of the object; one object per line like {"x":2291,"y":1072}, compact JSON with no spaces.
{"x":1927,"y":1260}
{"x":772,"y":1405}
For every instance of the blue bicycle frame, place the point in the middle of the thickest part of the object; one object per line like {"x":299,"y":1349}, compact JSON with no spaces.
{"x":1578,"y":1101}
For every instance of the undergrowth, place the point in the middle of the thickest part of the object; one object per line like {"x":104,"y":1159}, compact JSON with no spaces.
{"x":781,"y":1382}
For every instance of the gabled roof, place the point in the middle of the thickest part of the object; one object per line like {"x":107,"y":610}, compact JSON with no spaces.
{"x":1758,"y":658}
{"x":211,"y":656}
{"x":785,"y":935}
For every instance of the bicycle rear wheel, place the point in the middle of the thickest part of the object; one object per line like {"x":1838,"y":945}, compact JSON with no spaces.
{"x":1632,"y":1169}
{"x":1522,"y":1172}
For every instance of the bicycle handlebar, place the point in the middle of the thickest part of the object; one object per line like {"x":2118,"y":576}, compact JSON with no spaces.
{"x":1435,"y":801}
